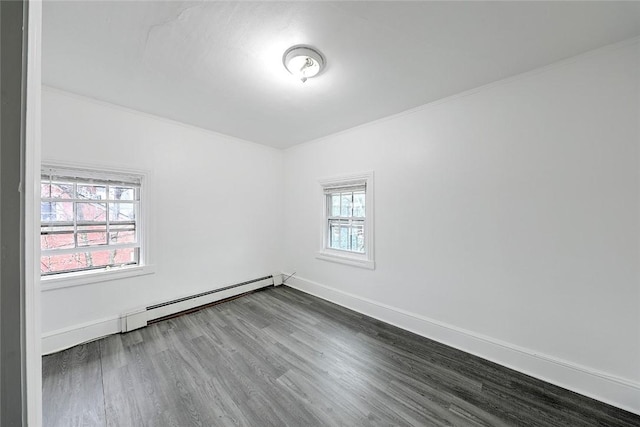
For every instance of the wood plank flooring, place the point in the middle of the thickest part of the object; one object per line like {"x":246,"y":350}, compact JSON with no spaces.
{"x":280,"y":357}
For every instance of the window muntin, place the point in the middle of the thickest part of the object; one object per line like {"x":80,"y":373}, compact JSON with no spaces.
{"x":346,"y":219}
{"x":89,"y":220}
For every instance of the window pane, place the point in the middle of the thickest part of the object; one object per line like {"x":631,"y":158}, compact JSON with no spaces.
{"x":335,"y":204}
{"x":88,"y":211}
{"x":359,"y":204}
{"x":56,"y":211}
{"x":46,"y":212}
{"x":124,"y":256}
{"x":122,"y":212}
{"x":344,"y":237}
{"x":357,"y":237}
{"x":92,"y":238}
{"x":45,"y":190}
{"x":57,"y":241}
{"x":57,"y":263}
{"x":122,"y":237}
{"x":92,"y":192}
{"x":334,"y":233}
{"x":121,"y":193}
{"x":88,"y":260}
{"x":92,"y":235}
{"x":59,"y":190}
{"x":345,"y":207}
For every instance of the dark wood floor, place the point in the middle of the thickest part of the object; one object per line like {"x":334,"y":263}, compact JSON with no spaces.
{"x":280,"y":357}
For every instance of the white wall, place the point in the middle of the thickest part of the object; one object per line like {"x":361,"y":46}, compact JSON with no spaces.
{"x":215,"y":206}
{"x":507,"y":221}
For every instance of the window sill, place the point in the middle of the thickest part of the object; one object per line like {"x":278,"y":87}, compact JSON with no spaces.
{"x":68,"y":280}
{"x":344,"y":258}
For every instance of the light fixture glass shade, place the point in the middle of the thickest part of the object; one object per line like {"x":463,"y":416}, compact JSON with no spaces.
{"x":303,"y":61}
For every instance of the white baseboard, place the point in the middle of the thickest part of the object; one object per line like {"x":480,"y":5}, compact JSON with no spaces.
{"x":619,"y":392}
{"x":64,"y":338}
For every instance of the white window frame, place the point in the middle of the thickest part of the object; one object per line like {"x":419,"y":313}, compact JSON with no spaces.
{"x":363,"y":260}
{"x":78,"y":278}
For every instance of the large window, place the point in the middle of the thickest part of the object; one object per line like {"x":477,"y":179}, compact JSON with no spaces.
{"x":90,"y":220}
{"x":348,"y":220}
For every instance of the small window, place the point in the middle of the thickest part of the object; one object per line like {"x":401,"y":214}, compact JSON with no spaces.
{"x":348,"y":220}
{"x":90,"y":220}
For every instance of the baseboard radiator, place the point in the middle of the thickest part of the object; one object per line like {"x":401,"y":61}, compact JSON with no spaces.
{"x":154,"y":313}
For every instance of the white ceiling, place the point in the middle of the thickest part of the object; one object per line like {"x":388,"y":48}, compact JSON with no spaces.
{"x":218,"y":65}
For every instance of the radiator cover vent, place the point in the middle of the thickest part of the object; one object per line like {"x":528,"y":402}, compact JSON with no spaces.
{"x":141,"y":317}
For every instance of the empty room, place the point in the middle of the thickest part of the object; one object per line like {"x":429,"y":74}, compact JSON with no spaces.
{"x":338,"y":213}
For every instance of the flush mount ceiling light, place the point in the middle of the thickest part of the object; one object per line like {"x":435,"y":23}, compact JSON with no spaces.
{"x":303,"y":61}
